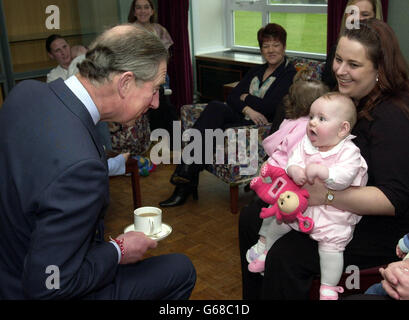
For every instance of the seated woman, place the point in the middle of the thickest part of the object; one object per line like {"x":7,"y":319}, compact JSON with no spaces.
{"x":369,"y":68}
{"x":253,"y":101}
{"x":367,"y":9}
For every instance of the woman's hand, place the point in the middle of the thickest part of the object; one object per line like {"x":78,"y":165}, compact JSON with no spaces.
{"x":257,"y":117}
{"x":317,"y":191}
{"x":243,"y":96}
{"x":396,"y":279}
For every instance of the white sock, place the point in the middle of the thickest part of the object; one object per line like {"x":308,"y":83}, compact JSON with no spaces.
{"x":332,"y":264}
{"x":260,"y":246}
{"x":262,"y":257}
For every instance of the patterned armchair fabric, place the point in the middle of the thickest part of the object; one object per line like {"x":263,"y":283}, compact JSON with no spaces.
{"x":231,"y":173}
{"x":227,"y":172}
{"x":134,"y":139}
{"x":317,"y":67}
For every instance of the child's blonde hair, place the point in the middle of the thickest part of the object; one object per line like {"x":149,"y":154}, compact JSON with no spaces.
{"x":303,"y":92}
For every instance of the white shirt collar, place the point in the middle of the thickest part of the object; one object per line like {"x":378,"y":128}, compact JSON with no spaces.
{"x":82,"y":94}
{"x":310,"y":149}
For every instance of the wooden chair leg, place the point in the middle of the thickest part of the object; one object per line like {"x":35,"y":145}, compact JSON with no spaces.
{"x":234,"y":198}
{"x":136,"y":190}
{"x":132,"y":168}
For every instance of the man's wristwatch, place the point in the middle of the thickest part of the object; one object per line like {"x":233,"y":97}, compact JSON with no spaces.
{"x":329,"y":197}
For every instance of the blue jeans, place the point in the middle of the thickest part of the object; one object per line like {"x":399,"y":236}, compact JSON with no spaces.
{"x":377,"y":290}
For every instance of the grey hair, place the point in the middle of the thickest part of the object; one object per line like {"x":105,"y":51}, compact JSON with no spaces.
{"x":121,"y":49}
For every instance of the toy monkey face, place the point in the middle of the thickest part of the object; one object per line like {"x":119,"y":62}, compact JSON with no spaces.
{"x":288,"y":202}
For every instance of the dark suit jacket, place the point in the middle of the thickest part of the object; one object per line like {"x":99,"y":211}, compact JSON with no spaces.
{"x":53,"y":194}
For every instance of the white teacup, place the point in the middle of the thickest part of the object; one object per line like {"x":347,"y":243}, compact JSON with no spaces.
{"x":148,"y":220}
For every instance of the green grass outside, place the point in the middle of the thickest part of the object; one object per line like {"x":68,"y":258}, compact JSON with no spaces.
{"x":305,"y":31}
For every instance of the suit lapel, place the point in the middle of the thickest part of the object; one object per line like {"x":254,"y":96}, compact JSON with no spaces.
{"x":68,"y":98}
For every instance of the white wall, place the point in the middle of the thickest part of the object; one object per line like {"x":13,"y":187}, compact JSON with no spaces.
{"x":208,"y":24}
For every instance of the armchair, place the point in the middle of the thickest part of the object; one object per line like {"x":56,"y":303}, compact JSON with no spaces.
{"x":229,"y":173}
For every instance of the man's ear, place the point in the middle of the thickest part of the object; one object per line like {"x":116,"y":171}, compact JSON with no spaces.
{"x":50,"y":56}
{"x":125,"y":82}
{"x":344,"y":129}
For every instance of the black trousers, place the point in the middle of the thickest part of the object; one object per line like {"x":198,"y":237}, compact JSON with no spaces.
{"x":291,"y":263}
{"x":218,"y":115}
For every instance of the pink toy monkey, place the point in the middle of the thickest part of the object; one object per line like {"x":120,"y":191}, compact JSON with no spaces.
{"x":288,"y":200}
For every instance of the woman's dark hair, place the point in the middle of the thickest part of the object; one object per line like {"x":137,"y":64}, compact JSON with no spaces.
{"x":272,"y":31}
{"x":382,"y":49}
{"x":131,"y":14}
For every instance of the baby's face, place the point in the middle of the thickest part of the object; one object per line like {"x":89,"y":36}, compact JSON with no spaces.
{"x":325,"y":125}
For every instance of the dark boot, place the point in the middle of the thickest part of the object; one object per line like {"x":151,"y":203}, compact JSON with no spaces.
{"x":185,"y":173}
{"x":180,"y":194}
{"x":186,"y":179}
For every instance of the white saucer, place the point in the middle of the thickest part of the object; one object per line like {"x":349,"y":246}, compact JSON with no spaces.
{"x":166,"y":230}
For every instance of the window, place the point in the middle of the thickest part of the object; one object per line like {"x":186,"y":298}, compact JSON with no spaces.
{"x":304,"y":20}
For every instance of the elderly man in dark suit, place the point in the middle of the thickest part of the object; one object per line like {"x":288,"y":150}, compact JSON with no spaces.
{"x":54,"y":181}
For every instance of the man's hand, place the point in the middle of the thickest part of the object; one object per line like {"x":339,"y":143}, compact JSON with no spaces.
{"x":396,"y":280}
{"x":399,"y":252}
{"x":135,"y":246}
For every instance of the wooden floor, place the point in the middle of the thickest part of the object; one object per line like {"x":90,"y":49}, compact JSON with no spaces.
{"x":204,"y":230}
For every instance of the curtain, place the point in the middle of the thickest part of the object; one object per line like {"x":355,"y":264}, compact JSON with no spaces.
{"x":336,"y":10}
{"x":174,"y":16}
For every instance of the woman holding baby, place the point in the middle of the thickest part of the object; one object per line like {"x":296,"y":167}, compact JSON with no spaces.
{"x":370,"y":68}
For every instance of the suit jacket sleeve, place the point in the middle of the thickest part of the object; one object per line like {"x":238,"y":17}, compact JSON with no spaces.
{"x":64,"y":236}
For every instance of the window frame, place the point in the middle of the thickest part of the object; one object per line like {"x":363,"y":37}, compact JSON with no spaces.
{"x":265,"y":8}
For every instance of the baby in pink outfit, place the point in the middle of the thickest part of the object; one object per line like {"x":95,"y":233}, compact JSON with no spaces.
{"x":279,"y":146}
{"x":326,"y":152}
